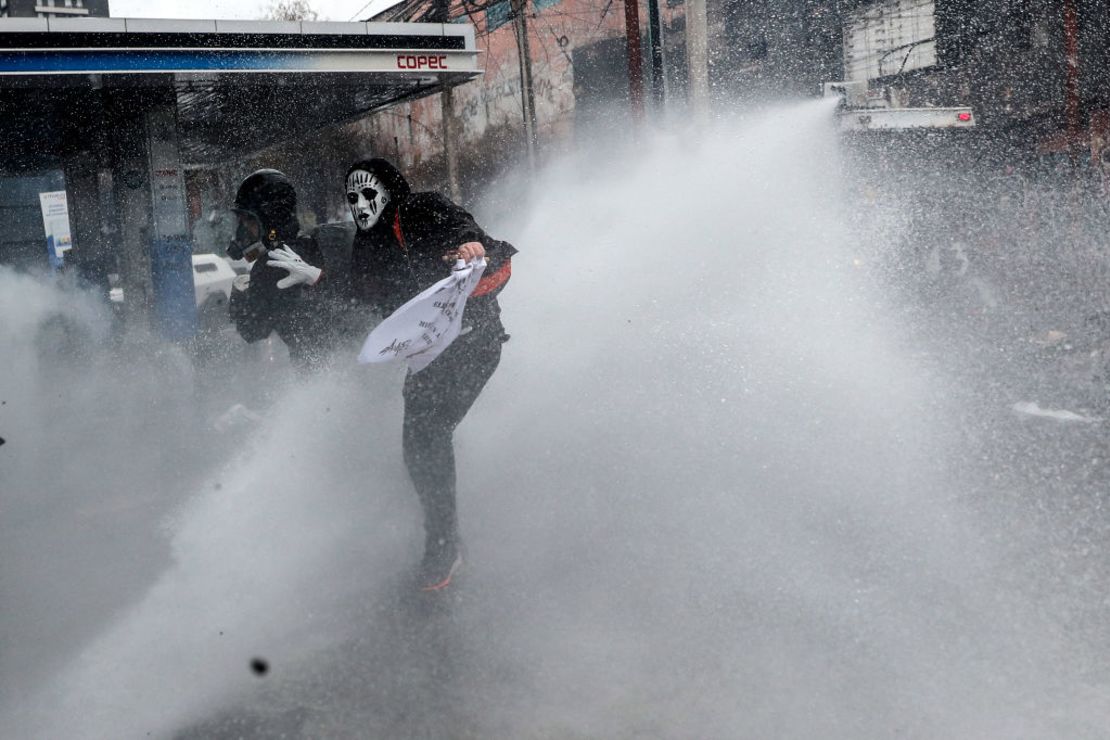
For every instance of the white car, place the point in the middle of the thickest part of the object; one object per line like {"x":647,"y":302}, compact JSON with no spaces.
{"x":212,"y":278}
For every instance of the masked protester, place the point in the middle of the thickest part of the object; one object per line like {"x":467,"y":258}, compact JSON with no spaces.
{"x":274,"y":298}
{"x":406,"y":242}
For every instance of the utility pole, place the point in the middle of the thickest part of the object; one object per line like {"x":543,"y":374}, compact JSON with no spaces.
{"x":655,"y":31}
{"x":450,"y":140}
{"x":697,"y":57}
{"x":527,"y":97}
{"x":447,"y":116}
{"x":635,"y":58}
{"x":1071,"y":82}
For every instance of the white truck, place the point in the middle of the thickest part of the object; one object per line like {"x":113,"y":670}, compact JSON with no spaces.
{"x":867,"y":107}
{"x":886,"y":43}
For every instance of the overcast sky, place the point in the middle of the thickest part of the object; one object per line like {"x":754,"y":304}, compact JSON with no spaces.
{"x":330,"y":10}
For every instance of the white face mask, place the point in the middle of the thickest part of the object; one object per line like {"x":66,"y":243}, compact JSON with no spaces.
{"x":367,"y":198}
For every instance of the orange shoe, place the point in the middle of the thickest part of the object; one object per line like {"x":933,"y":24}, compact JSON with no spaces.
{"x":442,"y":560}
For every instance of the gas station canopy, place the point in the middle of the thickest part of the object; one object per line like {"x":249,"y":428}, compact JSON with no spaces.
{"x":240,"y":86}
{"x":116,"y":111}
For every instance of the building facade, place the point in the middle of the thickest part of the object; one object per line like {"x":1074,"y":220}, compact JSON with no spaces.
{"x":1034,"y":71}
{"x":53,"y":8}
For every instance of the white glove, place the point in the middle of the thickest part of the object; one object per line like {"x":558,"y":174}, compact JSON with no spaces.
{"x":300,"y":272}
{"x":241,"y":282}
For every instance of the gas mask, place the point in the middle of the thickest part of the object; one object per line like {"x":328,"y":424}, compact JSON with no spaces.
{"x":367,"y":198}
{"x":247,"y":244}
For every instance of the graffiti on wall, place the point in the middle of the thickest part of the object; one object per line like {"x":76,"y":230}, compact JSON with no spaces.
{"x":413,"y":130}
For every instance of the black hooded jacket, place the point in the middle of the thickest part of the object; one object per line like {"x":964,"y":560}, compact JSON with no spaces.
{"x":403,"y":253}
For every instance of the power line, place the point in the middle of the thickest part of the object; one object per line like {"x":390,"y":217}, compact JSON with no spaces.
{"x":360,"y":10}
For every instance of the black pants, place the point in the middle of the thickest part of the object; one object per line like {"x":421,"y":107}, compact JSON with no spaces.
{"x":436,"y":400}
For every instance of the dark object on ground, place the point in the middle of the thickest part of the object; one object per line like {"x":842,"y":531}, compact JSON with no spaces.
{"x":260,"y":666}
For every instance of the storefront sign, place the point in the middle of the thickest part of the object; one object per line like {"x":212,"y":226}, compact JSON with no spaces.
{"x":55,"y":223}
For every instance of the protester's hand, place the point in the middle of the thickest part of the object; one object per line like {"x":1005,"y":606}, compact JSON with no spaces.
{"x":300,"y":272}
{"x":467,"y":253}
{"x":471,"y":251}
{"x":241,"y":282}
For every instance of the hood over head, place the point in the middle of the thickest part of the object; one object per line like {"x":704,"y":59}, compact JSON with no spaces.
{"x":390,"y":176}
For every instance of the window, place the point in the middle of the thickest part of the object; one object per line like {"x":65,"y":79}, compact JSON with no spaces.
{"x":498,"y":14}
{"x":60,"y":8}
{"x":890,"y":38}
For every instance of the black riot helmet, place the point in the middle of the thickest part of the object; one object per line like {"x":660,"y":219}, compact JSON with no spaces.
{"x":266,"y":205}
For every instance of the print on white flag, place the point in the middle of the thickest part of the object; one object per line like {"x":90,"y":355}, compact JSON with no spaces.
{"x":420,"y":330}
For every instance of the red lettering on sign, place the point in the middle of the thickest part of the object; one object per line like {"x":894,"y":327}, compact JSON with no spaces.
{"x":421,"y":61}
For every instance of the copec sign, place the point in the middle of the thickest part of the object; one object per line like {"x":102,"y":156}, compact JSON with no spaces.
{"x":421,"y":61}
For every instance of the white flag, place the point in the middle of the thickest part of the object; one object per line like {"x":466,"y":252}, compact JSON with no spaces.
{"x":420,"y":330}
